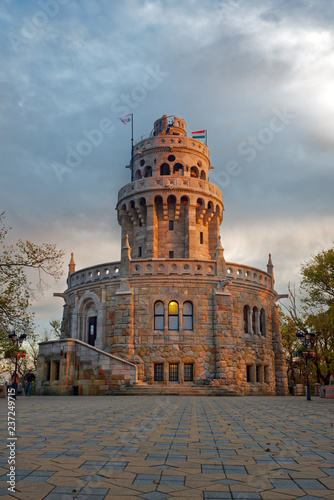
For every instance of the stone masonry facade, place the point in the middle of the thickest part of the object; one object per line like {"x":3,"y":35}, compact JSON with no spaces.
{"x":172,"y":308}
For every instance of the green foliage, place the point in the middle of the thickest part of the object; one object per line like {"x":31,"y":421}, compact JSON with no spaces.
{"x":16,"y":291}
{"x":322,"y":323}
{"x":318,"y":279}
{"x":289,"y":328}
{"x":316,"y":316}
{"x":55,"y":328}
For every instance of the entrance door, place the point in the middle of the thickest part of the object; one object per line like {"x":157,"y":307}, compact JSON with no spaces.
{"x":92,"y":330}
{"x":174,"y":372}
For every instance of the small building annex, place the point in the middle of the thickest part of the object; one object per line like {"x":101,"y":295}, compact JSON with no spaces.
{"x":172,"y":313}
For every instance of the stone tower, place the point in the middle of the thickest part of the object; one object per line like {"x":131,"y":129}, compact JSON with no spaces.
{"x":175,"y":213}
{"x":172,"y":311}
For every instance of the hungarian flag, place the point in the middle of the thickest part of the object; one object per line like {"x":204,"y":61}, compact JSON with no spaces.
{"x":126,"y":118}
{"x":200,"y":134}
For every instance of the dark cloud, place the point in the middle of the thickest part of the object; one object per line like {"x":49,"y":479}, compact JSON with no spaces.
{"x":227,"y":66}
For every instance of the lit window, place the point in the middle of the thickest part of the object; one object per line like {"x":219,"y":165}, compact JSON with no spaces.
{"x":159,"y":316}
{"x":187,"y":316}
{"x":173,"y":315}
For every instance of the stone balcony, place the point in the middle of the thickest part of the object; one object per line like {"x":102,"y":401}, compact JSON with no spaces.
{"x":94,"y":274}
{"x":192,"y":184}
{"x":171,"y":141}
{"x":168,"y":267}
{"x":247,"y":273}
{"x":183,"y":267}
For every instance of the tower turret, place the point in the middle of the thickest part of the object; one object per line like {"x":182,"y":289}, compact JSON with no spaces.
{"x":171,"y":210}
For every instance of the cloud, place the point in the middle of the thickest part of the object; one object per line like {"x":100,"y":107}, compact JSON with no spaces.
{"x":230,"y":64}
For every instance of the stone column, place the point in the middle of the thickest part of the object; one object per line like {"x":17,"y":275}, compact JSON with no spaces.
{"x":124,"y":318}
{"x":151,"y":244}
{"x":223,"y":338}
{"x":192,"y":231}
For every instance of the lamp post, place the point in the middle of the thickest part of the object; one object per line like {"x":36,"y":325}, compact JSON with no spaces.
{"x":305,"y":338}
{"x":16,"y":341}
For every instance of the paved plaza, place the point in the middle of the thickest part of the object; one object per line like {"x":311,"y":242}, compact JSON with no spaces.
{"x":155,"y":448}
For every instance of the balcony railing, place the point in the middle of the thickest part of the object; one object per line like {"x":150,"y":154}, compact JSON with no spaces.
{"x":174,"y":141}
{"x":100,"y":272}
{"x":165,"y":181}
{"x":170,"y":267}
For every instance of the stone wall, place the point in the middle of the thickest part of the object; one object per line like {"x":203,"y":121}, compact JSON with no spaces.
{"x":171,"y":251}
{"x":221,"y":352}
{"x":63,"y":364}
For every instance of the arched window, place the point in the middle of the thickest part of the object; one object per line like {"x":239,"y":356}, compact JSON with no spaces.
{"x":148,"y":172}
{"x":263,"y":322}
{"x":173,"y":315}
{"x":159,"y":315}
{"x":164,"y":169}
{"x":188,"y":316}
{"x":178,"y":168}
{"x":255,"y":321}
{"x":194,"y":172}
{"x":171,"y":205}
{"x":246,"y":319}
{"x":203,"y":175}
{"x":138,"y":174}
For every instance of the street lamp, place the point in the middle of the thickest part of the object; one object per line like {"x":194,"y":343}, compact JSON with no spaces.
{"x":16,"y":341}
{"x":305,"y":338}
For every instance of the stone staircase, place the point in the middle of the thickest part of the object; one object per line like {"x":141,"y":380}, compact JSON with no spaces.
{"x":171,"y":390}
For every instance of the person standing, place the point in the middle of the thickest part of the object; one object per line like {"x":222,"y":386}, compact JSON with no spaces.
{"x":15,"y":381}
{"x":29,"y":378}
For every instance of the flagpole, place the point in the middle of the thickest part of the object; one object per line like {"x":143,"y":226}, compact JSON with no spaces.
{"x":206,"y":137}
{"x":131,"y":147}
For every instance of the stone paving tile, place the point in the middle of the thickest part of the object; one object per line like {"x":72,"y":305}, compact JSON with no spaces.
{"x":154,"y":495}
{"x":180,"y":447}
{"x":217,"y":495}
{"x":310,"y":484}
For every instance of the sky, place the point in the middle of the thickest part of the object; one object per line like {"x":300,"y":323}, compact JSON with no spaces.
{"x":257,"y":74}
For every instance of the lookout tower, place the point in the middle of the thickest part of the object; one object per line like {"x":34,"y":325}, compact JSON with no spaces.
{"x":174,"y":212}
{"x":172,"y":311}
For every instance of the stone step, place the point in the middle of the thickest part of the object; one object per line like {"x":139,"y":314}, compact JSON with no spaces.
{"x":141,"y":390}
